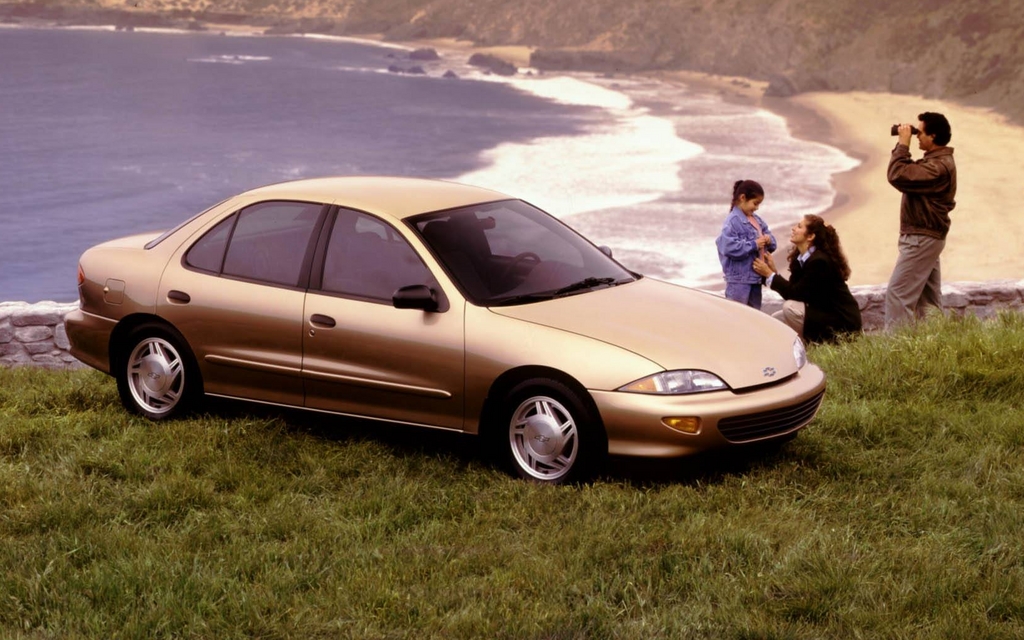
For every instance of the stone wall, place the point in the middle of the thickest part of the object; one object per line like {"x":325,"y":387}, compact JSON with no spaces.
{"x":34,"y":335}
{"x":983,"y":299}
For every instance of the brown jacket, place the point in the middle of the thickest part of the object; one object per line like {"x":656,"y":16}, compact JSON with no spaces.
{"x":928,"y":187}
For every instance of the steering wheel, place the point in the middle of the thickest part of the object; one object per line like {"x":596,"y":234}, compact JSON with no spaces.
{"x":522,"y":257}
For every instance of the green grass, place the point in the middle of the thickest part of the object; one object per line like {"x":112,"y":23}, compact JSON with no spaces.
{"x":897,"y":514}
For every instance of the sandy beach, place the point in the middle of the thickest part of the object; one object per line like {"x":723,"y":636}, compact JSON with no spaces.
{"x":983,"y":241}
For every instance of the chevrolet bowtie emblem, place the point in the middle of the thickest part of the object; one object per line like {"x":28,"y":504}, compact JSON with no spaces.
{"x":769,"y":372}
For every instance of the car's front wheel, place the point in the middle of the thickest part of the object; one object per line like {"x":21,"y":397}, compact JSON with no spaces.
{"x":552,"y":436}
{"x":156,"y":375}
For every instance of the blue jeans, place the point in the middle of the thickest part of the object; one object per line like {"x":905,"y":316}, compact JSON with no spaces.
{"x":748,"y":294}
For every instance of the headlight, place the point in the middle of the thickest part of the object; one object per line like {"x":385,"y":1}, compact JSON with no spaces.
{"x":676,"y":382}
{"x":799,"y":353}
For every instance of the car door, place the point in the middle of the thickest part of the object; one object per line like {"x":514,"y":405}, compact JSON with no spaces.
{"x":361,"y":355}
{"x":237,"y":295}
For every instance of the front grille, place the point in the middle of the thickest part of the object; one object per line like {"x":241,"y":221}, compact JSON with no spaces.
{"x":769,"y":423}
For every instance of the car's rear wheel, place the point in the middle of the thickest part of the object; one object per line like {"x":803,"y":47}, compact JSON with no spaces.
{"x":552,"y":436}
{"x":156,"y":375}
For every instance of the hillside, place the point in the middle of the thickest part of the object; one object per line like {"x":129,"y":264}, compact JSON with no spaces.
{"x":966,"y":51}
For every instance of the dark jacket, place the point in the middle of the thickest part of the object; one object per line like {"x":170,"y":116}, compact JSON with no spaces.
{"x":818,"y":283}
{"x":928,"y":187}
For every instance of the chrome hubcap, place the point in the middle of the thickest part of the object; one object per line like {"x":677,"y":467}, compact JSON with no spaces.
{"x":544,"y":438}
{"x":156,"y":375}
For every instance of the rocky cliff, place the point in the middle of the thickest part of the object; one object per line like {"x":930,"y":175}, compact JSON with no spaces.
{"x":968,"y":50}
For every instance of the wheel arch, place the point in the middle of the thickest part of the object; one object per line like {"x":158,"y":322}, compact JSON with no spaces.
{"x":118,"y":346}
{"x":177,"y":396}
{"x":508,"y":380}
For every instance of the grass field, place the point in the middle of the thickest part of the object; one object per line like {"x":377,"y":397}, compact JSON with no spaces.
{"x":898,"y":513}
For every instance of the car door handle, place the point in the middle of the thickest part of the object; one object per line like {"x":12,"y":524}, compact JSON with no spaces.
{"x":322,"y":320}
{"x":179,"y":296}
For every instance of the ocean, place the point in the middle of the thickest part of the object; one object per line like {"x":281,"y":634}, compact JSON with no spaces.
{"x":107,"y":133}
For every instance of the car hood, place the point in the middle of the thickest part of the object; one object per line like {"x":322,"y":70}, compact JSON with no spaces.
{"x":676,"y":327}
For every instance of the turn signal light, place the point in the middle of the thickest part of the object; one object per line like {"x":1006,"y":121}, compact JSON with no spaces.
{"x":685,"y":425}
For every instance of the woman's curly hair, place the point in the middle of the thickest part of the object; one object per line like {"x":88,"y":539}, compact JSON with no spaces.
{"x":825,"y":240}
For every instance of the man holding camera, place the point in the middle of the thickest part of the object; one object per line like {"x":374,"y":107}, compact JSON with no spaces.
{"x":928,"y":186}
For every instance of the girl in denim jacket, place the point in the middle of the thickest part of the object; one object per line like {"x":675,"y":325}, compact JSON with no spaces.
{"x":744,"y":237}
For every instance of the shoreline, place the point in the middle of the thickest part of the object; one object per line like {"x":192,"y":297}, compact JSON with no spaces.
{"x":865,"y":209}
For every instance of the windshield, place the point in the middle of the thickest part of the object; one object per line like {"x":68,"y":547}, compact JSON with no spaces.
{"x":510,"y":252}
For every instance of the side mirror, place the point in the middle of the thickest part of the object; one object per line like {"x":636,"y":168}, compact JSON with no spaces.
{"x":606,"y":250}
{"x":415,"y":296}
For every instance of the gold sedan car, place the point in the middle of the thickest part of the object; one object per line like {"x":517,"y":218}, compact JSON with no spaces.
{"x":440,"y":305}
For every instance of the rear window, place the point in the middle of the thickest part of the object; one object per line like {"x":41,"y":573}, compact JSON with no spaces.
{"x":166,"y":234}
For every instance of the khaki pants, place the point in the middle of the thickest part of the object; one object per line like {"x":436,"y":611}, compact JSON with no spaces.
{"x":916,"y":280}
{"x":792,"y":314}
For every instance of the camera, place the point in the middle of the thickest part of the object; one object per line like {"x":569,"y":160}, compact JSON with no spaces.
{"x":913,"y":130}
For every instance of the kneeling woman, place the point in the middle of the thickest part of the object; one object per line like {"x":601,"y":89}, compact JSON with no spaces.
{"x":818,"y":304}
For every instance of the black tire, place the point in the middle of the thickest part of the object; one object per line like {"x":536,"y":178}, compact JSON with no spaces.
{"x":156,"y":373}
{"x":547,"y":433}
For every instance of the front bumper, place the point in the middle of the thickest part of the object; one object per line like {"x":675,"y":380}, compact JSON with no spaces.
{"x":633,"y":421}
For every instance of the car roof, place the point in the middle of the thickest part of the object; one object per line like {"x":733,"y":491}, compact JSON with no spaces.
{"x":391,"y":196}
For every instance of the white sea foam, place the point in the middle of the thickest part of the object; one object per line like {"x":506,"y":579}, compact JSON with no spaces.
{"x":230,"y":59}
{"x":217,"y":60}
{"x":627,"y":156}
{"x":366,"y":41}
{"x":90,"y":27}
{"x":566,"y":90}
{"x":237,"y":33}
{"x":749,"y":144}
{"x":656,"y":187}
{"x":164,"y":30}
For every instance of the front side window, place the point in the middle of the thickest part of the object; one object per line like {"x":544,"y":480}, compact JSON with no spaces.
{"x":510,"y":252}
{"x":267,"y":242}
{"x":367,"y":258}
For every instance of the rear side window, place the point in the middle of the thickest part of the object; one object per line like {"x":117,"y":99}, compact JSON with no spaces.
{"x":208,"y":253}
{"x":267,"y":242}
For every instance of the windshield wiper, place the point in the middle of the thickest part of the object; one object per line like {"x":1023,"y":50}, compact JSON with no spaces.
{"x":522,"y":298}
{"x":585,"y":283}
